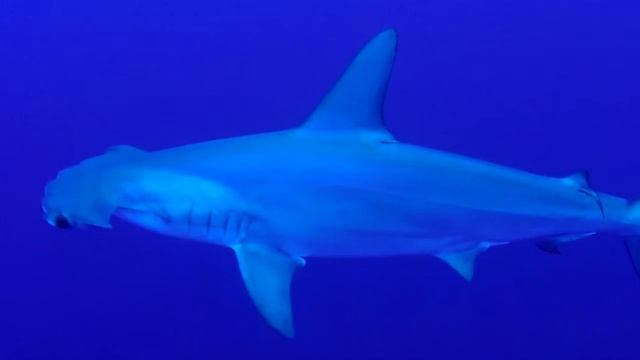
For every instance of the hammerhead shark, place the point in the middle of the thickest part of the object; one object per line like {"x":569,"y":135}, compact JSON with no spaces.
{"x":339,"y":185}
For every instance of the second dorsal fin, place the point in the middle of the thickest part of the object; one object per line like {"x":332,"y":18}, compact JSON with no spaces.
{"x":581,"y":179}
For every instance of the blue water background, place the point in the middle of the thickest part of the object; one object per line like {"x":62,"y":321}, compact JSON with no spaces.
{"x":548,"y":86}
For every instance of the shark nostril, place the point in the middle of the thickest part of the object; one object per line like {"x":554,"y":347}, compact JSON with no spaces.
{"x":62,"y":222}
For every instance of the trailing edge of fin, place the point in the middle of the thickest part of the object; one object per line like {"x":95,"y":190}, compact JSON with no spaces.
{"x":267,"y":274}
{"x":356,"y":101}
{"x":463,"y":262}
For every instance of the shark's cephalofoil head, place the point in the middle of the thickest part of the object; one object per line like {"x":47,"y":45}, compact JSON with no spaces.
{"x":86,"y":194}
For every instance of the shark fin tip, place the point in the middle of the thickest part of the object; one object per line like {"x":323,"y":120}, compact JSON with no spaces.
{"x":462,"y":262}
{"x":355,"y":103}
{"x":267,"y":274}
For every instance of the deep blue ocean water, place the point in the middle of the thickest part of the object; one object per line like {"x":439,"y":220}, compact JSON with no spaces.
{"x":547,"y":86}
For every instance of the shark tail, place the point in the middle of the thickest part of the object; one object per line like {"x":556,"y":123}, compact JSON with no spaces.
{"x":632,"y":242}
{"x":633,"y":249}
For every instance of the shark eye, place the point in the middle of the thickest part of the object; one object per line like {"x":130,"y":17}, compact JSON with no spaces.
{"x":62,"y":222}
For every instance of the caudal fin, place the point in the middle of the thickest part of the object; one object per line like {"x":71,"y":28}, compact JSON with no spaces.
{"x":633,"y":242}
{"x":633,"y":248}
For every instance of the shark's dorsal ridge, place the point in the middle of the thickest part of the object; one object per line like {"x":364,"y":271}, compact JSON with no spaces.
{"x":124,"y":149}
{"x":356,"y":101}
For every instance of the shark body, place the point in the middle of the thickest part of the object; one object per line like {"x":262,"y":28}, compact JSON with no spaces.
{"x":339,"y":185}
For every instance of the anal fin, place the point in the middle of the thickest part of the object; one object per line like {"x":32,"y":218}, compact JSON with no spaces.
{"x":551,"y":246}
{"x":267,"y":274}
{"x":548,"y":246}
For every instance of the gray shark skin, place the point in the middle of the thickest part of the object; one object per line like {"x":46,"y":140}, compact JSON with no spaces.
{"x":339,"y":185}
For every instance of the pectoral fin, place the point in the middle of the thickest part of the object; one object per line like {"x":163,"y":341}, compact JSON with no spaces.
{"x":267,"y":275}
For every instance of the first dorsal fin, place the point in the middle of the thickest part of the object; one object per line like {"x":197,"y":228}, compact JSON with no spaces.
{"x":356,"y":101}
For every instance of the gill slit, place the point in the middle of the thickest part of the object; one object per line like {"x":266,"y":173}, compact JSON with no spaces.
{"x":209,"y":215}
